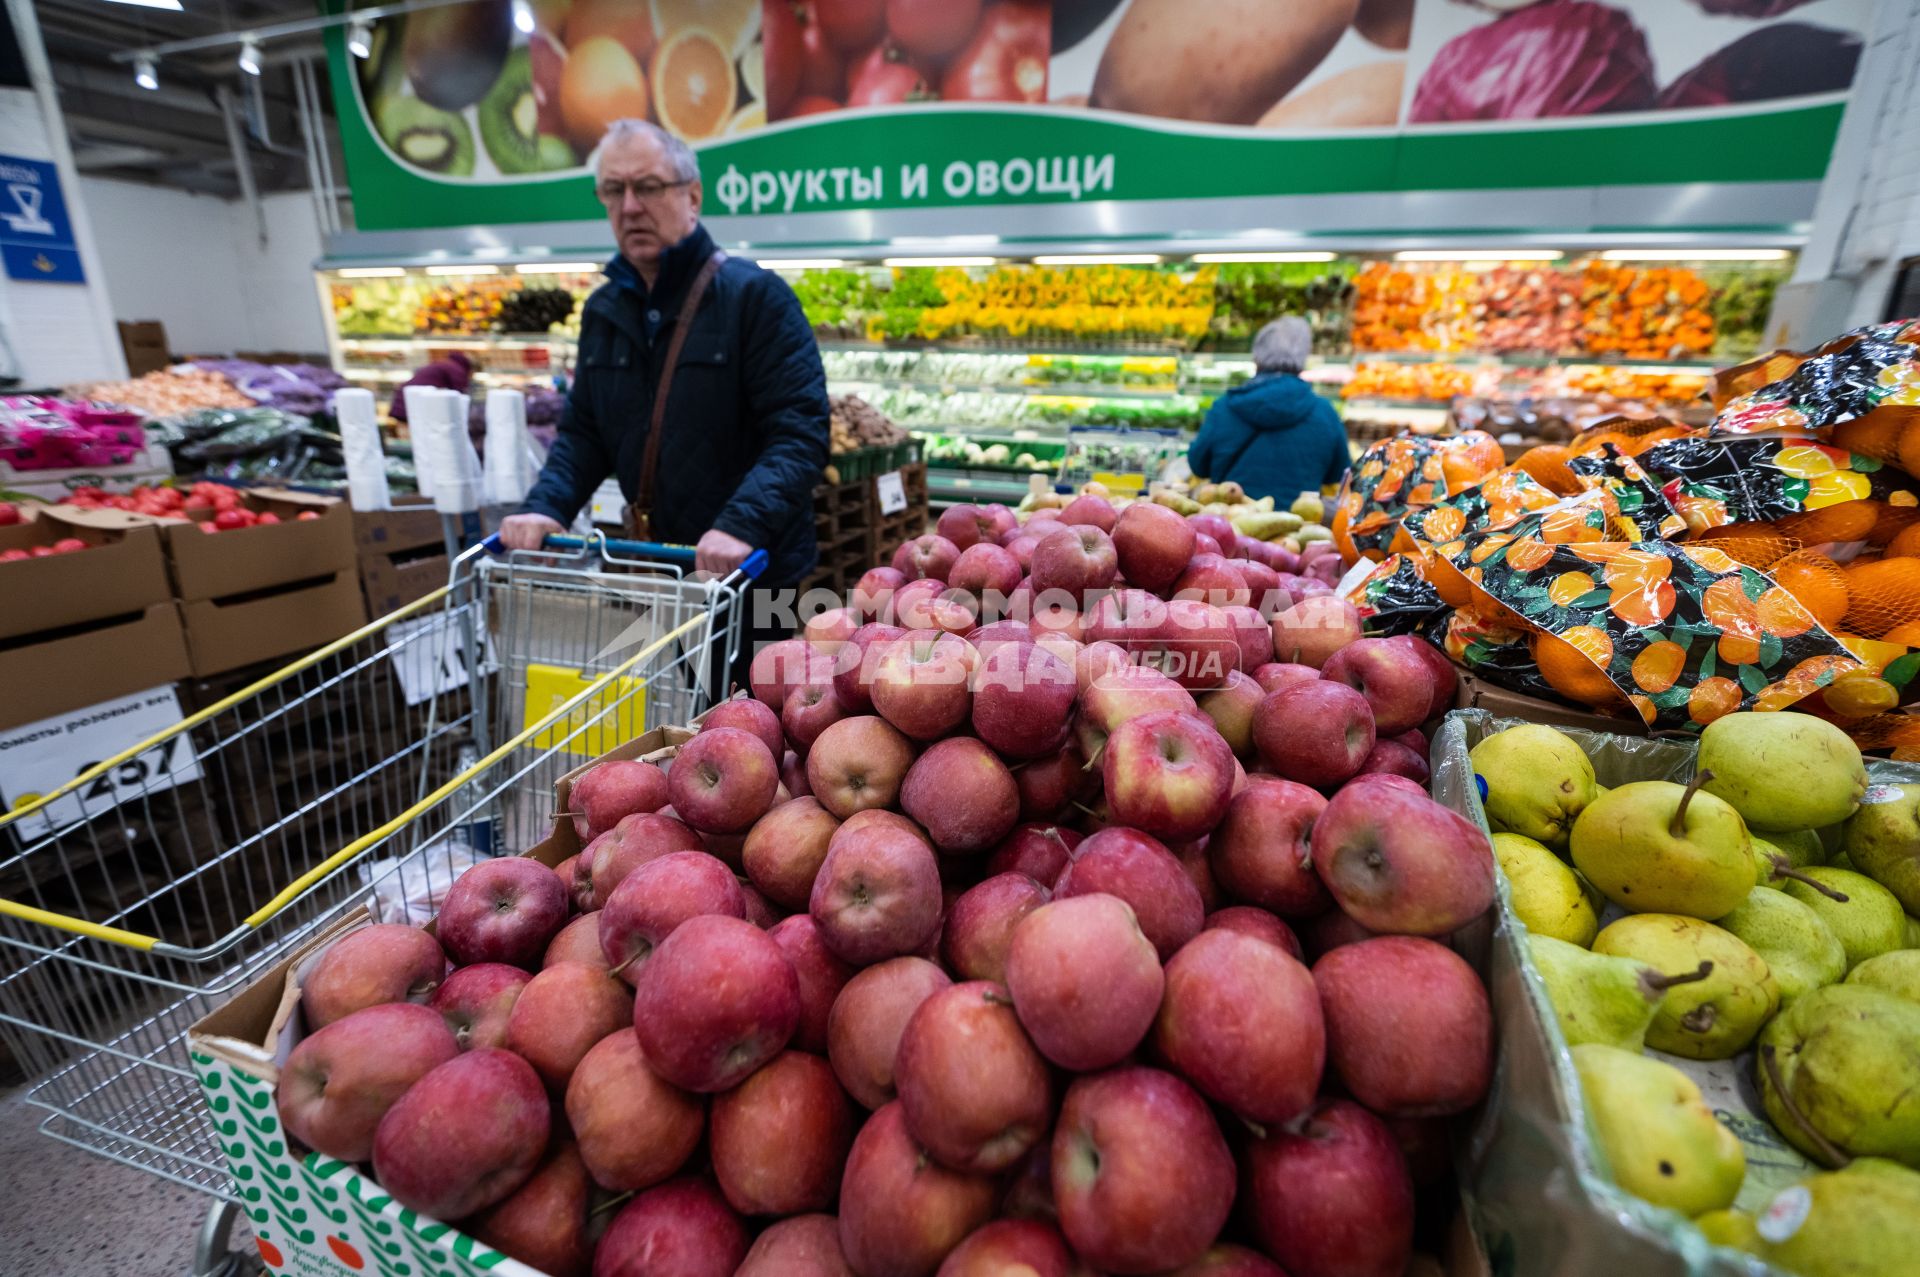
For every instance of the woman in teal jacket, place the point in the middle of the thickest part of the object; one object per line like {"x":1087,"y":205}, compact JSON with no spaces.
{"x":1273,"y":436}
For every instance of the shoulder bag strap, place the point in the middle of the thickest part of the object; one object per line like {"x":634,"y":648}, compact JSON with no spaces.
{"x":650,"y":459}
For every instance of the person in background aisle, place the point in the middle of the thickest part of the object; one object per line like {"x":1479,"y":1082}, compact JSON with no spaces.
{"x":455,"y":372}
{"x":1273,"y":435}
{"x":698,"y":385}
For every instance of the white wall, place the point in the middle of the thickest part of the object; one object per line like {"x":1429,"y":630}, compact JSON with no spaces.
{"x":196,"y":264}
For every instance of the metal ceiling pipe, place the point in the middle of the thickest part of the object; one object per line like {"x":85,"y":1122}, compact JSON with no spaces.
{"x":242,"y":166}
{"x":304,"y":109}
{"x":322,"y":147}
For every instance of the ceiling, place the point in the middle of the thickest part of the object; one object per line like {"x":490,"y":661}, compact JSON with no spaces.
{"x":177,"y":136}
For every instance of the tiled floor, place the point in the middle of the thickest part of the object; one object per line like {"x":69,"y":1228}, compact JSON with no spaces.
{"x":68,"y":1213}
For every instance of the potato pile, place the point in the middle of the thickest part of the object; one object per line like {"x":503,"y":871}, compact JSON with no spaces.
{"x":858,"y":424}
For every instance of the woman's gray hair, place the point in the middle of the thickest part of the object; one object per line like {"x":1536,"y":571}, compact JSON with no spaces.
{"x":1283,"y":345}
{"x":686,"y":166}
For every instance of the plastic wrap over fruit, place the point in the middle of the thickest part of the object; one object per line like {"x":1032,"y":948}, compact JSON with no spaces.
{"x":1396,"y":597}
{"x":1716,"y":481}
{"x":1639,"y":509}
{"x":1787,"y":59}
{"x":1869,"y":370}
{"x":1396,"y":476}
{"x":1487,"y":644}
{"x":1541,"y":62}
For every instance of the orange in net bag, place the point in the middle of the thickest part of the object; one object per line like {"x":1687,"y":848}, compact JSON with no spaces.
{"x":1817,"y":581}
{"x":1758,"y":545}
{"x":1883,"y":595}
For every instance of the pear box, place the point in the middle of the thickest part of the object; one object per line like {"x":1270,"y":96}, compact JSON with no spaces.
{"x":1539,"y":1190}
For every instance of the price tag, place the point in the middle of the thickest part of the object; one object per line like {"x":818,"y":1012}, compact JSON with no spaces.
{"x":40,"y":757}
{"x":893,"y":494}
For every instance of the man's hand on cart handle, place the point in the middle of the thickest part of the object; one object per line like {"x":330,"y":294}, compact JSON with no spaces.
{"x":527,"y":531}
{"x":716,"y":552}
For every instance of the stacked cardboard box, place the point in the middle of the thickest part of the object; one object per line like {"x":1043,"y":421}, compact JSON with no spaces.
{"x":402,"y":553}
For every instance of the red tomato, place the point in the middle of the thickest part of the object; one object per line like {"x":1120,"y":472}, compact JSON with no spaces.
{"x":207,"y":527}
{"x":780,"y":40}
{"x":68,"y":545}
{"x":306,"y":516}
{"x":43,"y":552}
{"x":13,"y":556}
{"x":822,"y":70}
{"x":1006,"y":61}
{"x":227,"y":520}
{"x":268,"y":517}
{"x":932,"y":28}
{"x":9,"y":514}
{"x":852,"y":25}
{"x":886,"y":76}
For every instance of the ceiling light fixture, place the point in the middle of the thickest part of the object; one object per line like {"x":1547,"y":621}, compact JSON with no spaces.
{"x":360,"y":38}
{"x":1097,"y":259}
{"x":557,"y":268}
{"x":173,"y":5}
{"x":371,"y":272}
{"x":1314,"y":255}
{"x":470,"y":268}
{"x":799,"y":263}
{"x":1695,"y":255}
{"x":523,"y":16}
{"x":250,"y":55}
{"x":146,"y":71}
{"x":936,"y":261}
{"x":1479,"y":255}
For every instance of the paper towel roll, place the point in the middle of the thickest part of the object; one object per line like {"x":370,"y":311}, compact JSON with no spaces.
{"x":442,"y":452}
{"x":353,"y":409}
{"x":508,"y":472}
{"x":419,"y":408}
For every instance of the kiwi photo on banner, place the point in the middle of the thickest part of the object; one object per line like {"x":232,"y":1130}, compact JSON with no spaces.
{"x":460,"y":116}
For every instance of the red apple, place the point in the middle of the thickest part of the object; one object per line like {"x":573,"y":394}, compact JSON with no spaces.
{"x":864,"y":1028}
{"x":656,"y":899}
{"x":1121,"y":694}
{"x":828,"y":629}
{"x":615,"y":788}
{"x":1021,"y":547}
{"x":338,"y":1083}
{"x":1220,"y":528}
{"x":793,"y":777}
{"x":962,"y":794}
{"x":980,"y":924}
{"x":965,"y":525}
{"x":974,"y":1092}
{"x":1260,"y":854}
{"x":1404,"y":783}
{"x":1316,"y":733}
{"x":779,"y":667}
{"x":1011,"y":1248}
{"x":1204,"y":544}
{"x":1152,"y":545}
{"x":1331,"y":1195}
{"x":715,"y":1001}
{"x":634,"y":1127}
{"x":1195,"y":645}
{"x":561,"y":1013}
{"x":986,"y":571}
{"x":1391,"y":758}
{"x":1402,"y":863}
{"x":450,"y":1169}
{"x":723,"y":780}
{"x":1241,"y":1021}
{"x":1414,"y":739}
{"x":930,"y":604}
{"x":1137,"y":868}
{"x":477,"y":1001}
{"x":926,"y":556}
{"x":1228,"y":1260}
{"x":1258,"y":923}
{"x":503,"y":910}
{"x":877,"y":894}
{"x":990,"y":635}
{"x":1209,"y":578}
{"x":1253,"y":634}
{"x":1322,"y":935}
{"x":387,"y":962}
{"x":1085,"y":980}
{"x":1231,"y":707}
{"x":1096,"y":660}
{"x":1038,"y":850}
{"x":1168,"y":773}
{"x":900,"y":1210}
{"x":1276,"y":675}
{"x":779,"y":1139}
{"x":1090,"y":510}
{"x":682,"y":1228}
{"x":1409,"y":1027}
{"x":873,"y":592}
{"x":1264,"y":593}
{"x":1075,"y":560}
{"x":811,"y":709}
{"x":1123,"y":1205}
{"x":1192,"y":856}
{"x":544,"y":1223}
{"x":922,"y":684}
{"x":760,"y":910}
{"x":803,"y":1246}
{"x":784,"y":849}
{"x":632,"y":843}
{"x":578,"y":941}
{"x":1446,"y":680}
{"x":821,"y":976}
{"x":1392,"y":676}
{"x":1046,"y":784}
{"x":1023,"y":700}
{"x":1312,"y":630}
{"x":857,"y":764}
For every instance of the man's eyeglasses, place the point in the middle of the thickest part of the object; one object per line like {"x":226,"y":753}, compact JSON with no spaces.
{"x":648,"y":190}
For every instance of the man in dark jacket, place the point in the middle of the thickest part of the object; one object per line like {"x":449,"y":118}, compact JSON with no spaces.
{"x":744,"y":437}
{"x":1273,"y":436}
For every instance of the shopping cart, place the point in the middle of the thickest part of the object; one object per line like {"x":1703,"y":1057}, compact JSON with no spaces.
{"x":157,"y":883}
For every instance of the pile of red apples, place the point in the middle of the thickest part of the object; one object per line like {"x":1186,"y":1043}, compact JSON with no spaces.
{"x":1109,"y":940}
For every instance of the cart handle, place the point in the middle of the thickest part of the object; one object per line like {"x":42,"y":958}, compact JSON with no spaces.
{"x":752,"y":566}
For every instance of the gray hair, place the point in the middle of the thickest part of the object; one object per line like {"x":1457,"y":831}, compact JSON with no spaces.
{"x":1283,"y":345}
{"x":686,"y":166}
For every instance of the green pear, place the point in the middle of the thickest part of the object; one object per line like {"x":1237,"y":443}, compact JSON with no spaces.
{"x":1657,"y":847}
{"x":1802,"y":847}
{"x":1661,"y":1140}
{"x":1731,"y":1228}
{"x":1882,"y":840}
{"x":1546,"y":894}
{"x":1858,"y":1222}
{"x":1775,"y":854}
{"x":1897,"y":973}
{"x":1839,"y":1074}
{"x":1782,"y":771}
{"x":1913,"y":932}
{"x":1841,"y":860}
{"x":1538,"y":782}
{"x":1799,"y":949}
{"x":1860,"y":911}
{"x":1600,"y":998}
{"x":1707,"y":1019}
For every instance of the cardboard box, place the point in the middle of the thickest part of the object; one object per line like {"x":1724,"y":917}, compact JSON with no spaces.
{"x":412,"y":523}
{"x":1477,"y":693}
{"x":144,"y":343}
{"x":124,"y":572}
{"x":259,"y":558}
{"x":60,"y":670}
{"x":227,"y":633}
{"x":391,"y":581}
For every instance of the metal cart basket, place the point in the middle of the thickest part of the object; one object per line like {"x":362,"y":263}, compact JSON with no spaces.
{"x":158,"y":883}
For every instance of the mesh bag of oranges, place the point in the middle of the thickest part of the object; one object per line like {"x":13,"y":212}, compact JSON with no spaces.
{"x":1401,"y":475}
